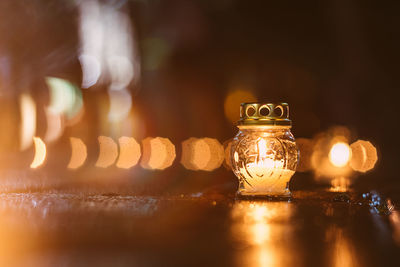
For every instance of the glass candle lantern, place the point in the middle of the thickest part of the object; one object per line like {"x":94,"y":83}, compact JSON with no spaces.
{"x":264,"y":154}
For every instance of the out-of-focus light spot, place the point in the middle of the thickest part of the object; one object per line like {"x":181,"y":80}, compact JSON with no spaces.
{"x":321,"y":161}
{"x":129,"y":154}
{"x":108,"y":152}
{"x":109,"y":52}
{"x":28,"y":121}
{"x":91,"y":36}
{"x":340,"y":184}
{"x":158,"y":153}
{"x":55,"y":126}
{"x":120,"y":105}
{"x":40,"y":153}
{"x":120,"y":50}
{"x":306,"y":148}
{"x":233,"y":101}
{"x":78,"y":153}
{"x":340,"y":154}
{"x":155,"y":52}
{"x":202,"y":154}
{"x":65,"y":98}
{"x":364,"y":156}
{"x":91,"y":69}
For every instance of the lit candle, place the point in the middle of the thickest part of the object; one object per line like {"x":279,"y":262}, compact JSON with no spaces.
{"x":264,"y":151}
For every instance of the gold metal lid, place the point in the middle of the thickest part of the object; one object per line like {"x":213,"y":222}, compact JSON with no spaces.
{"x":264,"y":114}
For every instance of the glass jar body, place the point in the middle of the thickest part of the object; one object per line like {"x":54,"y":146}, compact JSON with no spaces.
{"x":264,"y":158}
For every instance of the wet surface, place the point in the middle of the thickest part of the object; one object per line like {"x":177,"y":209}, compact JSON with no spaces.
{"x":313,"y":229}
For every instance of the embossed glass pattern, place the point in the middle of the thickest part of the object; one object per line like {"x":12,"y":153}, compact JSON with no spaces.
{"x":264,"y":158}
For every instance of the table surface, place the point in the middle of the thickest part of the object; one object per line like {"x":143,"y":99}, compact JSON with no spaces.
{"x":312,"y":229}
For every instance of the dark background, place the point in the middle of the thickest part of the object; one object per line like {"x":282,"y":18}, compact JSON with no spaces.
{"x":334,"y":62}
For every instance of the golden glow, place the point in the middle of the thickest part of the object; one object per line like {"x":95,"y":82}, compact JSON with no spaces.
{"x":108,"y":152}
{"x":364,"y":156}
{"x":340,"y":154}
{"x":40,"y":153}
{"x":129,"y":154}
{"x":343,"y":253}
{"x":260,"y":226}
{"x":78,"y":153}
{"x":158,"y":153}
{"x":28,"y":121}
{"x":233,"y":101}
{"x":202,"y":154}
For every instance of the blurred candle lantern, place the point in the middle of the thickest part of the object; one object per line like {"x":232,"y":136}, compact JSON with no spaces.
{"x":264,"y":154}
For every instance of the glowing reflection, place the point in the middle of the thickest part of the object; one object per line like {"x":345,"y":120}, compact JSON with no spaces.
{"x":266,"y":230}
{"x":108,"y":152}
{"x":394,"y":219}
{"x":202,"y":154}
{"x":28,"y":121}
{"x":158,"y":153}
{"x":129,"y":154}
{"x":343,"y":253}
{"x":40,"y":153}
{"x":340,"y":154}
{"x":65,"y":98}
{"x":55,"y":126}
{"x":233,"y":100}
{"x":340,"y":184}
{"x":78,"y":153}
{"x":364,"y":156}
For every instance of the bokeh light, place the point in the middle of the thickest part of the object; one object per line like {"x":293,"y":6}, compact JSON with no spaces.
{"x":205,"y":154}
{"x":78,"y":153}
{"x":40,"y":153}
{"x":364,"y":156}
{"x":108,"y":152}
{"x":158,"y":153}
{"x":340,"y":154}
{"x":331,"y":154}
{"x":28,"y":121}
{"x":65,"y":98}
{"x":129,"y":152}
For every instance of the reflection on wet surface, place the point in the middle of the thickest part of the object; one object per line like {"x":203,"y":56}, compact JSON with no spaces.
{"x":266,"y":233}
{"x":313,"y":229}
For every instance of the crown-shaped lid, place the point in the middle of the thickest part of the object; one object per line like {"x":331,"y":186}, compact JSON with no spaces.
{"x":264,"y":114}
